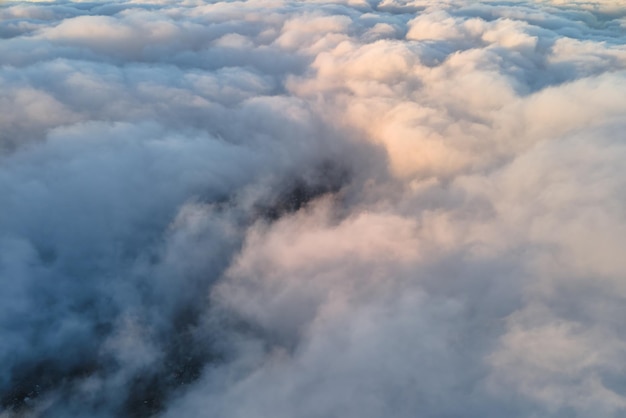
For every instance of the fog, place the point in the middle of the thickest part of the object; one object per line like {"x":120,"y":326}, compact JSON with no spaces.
{"x":280,"y":209}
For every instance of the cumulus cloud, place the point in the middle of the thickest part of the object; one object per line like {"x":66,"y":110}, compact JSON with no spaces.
{"x":310,"y":209}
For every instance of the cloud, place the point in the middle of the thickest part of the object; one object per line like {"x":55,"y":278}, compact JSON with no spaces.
{"x":332,"y":208}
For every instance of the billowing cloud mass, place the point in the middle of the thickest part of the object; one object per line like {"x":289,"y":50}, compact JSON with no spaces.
{"x":287,"y":209}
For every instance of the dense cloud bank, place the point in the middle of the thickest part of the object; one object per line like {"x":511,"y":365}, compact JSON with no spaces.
{"x":283,"y":209}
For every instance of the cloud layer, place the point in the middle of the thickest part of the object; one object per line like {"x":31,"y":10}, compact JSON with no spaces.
{"x":280,"y":209}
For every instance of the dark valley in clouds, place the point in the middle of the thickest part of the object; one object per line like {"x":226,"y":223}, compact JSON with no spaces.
{"x":312,"y":209}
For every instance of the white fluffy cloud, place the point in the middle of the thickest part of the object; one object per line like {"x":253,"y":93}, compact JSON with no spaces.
{"x":310,"y":209}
